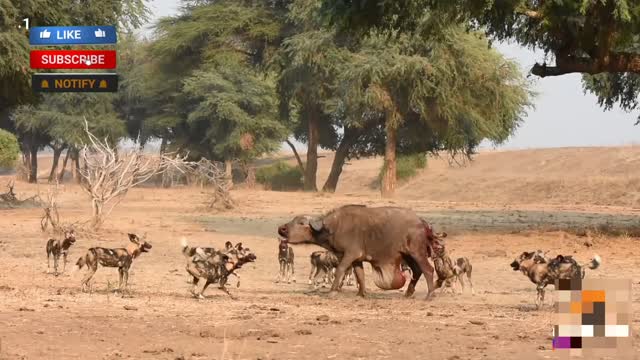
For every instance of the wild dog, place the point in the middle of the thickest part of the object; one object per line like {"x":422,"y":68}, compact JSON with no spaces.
{"x":450,"y":272}
{"x":286,"y":260}
{"x":122,"y":258}
{"x":326,"y":262}
{"x":201,"y":252}
{"x":217,"y":267}
{"x":543,"y":272}
{"x":56,"y":248}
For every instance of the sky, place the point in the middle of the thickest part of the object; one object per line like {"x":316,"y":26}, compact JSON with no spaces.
{"x":564,"y":116}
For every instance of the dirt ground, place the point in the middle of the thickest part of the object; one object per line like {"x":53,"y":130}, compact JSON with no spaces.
{"x":48,"y":317}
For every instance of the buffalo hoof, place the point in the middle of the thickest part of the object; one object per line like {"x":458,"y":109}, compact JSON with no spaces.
{"x":332,"y":294}
{"x":430,"y":297}
{"x":362,"y":294}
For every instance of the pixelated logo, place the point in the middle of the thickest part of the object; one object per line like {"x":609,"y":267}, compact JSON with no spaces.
{"x":593,"y":317}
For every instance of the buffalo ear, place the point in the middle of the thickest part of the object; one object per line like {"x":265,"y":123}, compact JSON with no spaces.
{"x":316,"y":224}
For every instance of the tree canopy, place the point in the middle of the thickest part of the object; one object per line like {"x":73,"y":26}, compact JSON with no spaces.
{"x":589,"y":37}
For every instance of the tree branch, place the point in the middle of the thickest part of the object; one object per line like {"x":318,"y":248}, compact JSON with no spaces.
{"x":615,"y":63}
{"x":295,"y":152}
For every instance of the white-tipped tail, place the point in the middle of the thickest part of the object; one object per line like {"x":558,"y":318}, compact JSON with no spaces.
{"x":595,"y":262}
{"x":200,"y":252}
{"x":183,"y":242}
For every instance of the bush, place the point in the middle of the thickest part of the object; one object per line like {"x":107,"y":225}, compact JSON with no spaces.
{"x":9,"y":149}
{"x":406,"y":166}
{"x":280,"y":177}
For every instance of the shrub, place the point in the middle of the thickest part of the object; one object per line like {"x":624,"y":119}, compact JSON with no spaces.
{"x":406,"y":166}
{"x":280,"y":177}
{"x":9,"y":149}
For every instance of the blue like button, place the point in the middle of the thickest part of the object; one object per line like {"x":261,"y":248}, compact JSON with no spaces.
{"x":72,"y":35}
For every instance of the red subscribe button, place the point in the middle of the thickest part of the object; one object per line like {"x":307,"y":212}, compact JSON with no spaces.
{"x":73,"y":59}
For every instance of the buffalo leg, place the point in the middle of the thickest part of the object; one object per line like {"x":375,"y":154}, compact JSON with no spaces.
{"x":359,"y":270}
{"x":427,"y":270}
{"x":416,"y":272}
{"x":345,"y":263}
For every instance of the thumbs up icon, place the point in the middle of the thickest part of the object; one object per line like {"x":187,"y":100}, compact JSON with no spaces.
{"x":100,"y":33}
{"x":45,"y":34}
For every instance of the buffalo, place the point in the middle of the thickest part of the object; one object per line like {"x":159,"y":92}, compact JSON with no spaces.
{"x":383,"y":236}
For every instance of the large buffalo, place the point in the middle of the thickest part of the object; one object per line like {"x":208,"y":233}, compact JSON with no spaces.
{"x":382,"y":236}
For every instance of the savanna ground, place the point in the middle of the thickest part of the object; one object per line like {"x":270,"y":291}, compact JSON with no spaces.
{"x":493,"y":209}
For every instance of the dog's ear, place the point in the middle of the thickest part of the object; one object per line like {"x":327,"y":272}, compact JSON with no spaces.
{"x":133,"y":238}
{"x":238,"y":246}
{"x":316,"y":224}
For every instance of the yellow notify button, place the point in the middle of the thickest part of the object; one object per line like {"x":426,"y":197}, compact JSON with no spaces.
{"x":44,"y":84}
{"x":103,"y":84}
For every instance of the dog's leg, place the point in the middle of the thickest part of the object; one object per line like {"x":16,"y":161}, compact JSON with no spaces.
{"x":92,"y":268}
{"x":64,"y":262}
{"x":293,"y":271}
{"x":311,"y":277}
{"x":469,"y":278}
{"x":461,"y":280}
{"x":48,"y":262}
{"x":55,"y":264}
{"x":120,"y":278}
{"x":125,"y":278}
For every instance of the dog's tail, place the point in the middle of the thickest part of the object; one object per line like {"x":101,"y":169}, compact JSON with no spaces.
{"x":187,"y":251}
{"x":594,"y":263}
{"x":82,"y":261}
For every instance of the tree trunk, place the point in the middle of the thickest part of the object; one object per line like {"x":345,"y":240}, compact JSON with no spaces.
{"x":96,"y":206}
{"x":312,"y":153}
{"x":228,"y":172}
{"x":26,"y":161}
{"x":64,"y":166}
{"x":295,"y":153}
{"x":57,"y":151}
{"x":163,"y":145}
{"x":349,"y":138}
{"x":389,"y":177}
{"x":33,"y":171}
{"x":76,"y":166}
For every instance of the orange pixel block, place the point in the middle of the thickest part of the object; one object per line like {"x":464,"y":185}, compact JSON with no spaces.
{"x":593,"y":296}
{"x":576,"y":307}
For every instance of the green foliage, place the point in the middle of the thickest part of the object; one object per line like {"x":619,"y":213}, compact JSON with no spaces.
{"x":60,"y":118}
{"x":583,"y":36}
{"x":9,"y":149}
{"x":621,"y":89}
{"x":407,"y":166}
{"x":280,"y":176}
{"x":210,"y":97}
{"x":433,"y":85}
{"x":15,"y":73}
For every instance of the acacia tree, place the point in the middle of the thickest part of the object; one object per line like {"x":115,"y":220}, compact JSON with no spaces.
{"x":588,"y":37}
{"x":210,"y":56}
{"x":58,"y":119}
{"x":308,"y":67}
{"x":452,"y":83}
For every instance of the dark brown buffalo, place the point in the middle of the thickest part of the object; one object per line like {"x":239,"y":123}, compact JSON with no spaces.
{"x":382,"y":236}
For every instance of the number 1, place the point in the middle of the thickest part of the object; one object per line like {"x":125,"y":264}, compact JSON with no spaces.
{"x":26,"y":22}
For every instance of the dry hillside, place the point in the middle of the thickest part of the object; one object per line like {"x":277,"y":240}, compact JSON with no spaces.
{"x":603,"y":176}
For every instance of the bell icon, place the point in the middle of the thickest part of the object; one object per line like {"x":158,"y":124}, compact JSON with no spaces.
{"x":103,"y":84}
{"x":44,"y":84}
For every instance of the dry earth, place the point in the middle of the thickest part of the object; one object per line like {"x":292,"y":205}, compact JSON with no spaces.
{"x":500,"y":205}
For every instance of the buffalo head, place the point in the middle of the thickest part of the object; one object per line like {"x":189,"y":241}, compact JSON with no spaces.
{"x":302,"y":229}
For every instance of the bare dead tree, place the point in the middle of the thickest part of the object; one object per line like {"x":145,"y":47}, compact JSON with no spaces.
{"x":108,"y":175}
{"x":50,"y":216}
{"x":9,"y":199}
{"x":214,"y":175}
